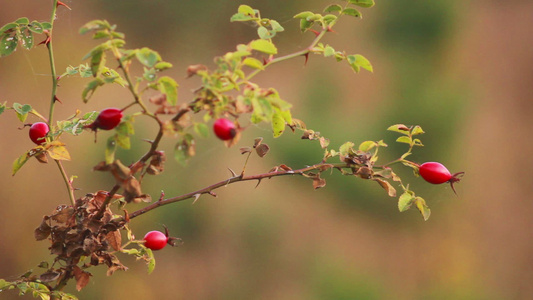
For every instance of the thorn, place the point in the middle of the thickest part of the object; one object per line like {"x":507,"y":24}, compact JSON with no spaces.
{"x":232,"y":172}
{"x":162,"y":195}
{"x":196,"y":196}
{"x":212,"y":194}
{"x":258,"y":182}
{"x":306,"y":58}
{"x":57,"y":99}
{"x":331,"y":30}
{"x":315,"y":32}
{"x":59,"y":3}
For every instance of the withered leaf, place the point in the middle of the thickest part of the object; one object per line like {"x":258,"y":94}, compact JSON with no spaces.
{"x":41,"y":157}
{"x":194,"y":69}
{"x":115,"y":239}
{"x":245,"y":150}
{"x":364,"y":172}
{"x":387,"y":186}
{"x":158,"y":99}
{"x":319,"y":182}
{"x":63,"y":213}
{"x":82,"y":278}
{"x":262,"y":150}
{"x":285,"y":167}
{"x":43,"y":231}
{"x":57,"y":248}
{"x":324,"y":142}
{"x":49,"y":276}
{"x":258,"y":141}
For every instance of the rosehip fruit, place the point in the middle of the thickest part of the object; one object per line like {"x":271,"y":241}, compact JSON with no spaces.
{"x":437,"y":173}
{"x":155,"y":240}
{"x":108,"y":119}
{"x":38,"y":131}
{"x":224,"y":129}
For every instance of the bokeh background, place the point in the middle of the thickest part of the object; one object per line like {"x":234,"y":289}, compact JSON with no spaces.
{"x":463,"y":70}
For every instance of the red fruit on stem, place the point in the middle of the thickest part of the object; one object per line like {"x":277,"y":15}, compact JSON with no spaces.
{"x":108,"y":119}
{"x":434,"y":172}
{"x":38,"y":131}
{"x":437,"y":173}
{"x":224,"y":129}
{"x":155,"y":240}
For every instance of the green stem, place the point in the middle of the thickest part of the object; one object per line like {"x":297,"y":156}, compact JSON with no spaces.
{"x":292,"y":55}
{"x":52,"y":63}
{"x":67,"y":182}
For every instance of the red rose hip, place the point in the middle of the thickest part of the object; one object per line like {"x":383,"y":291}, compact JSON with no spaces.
{"x":108,"y":119}
{"x":434,"y":172}
{"x":155,"y":240}
{"x":437,"y":173}
{"x":38,"y":131}
{"x":224,"y":129}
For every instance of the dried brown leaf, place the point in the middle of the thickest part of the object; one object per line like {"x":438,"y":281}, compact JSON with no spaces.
{"x":115,"y":239}
{"x":262,"y":150}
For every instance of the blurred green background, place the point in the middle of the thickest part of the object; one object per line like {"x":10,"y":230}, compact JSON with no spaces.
{"x":461,"y":70}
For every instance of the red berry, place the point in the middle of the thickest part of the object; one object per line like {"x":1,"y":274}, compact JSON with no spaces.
{"x":224,"y":129}
{"x":155,"y":240}
{"x":108,"y":119}
{"x":434,"y":172}
{"x":38,"y":131}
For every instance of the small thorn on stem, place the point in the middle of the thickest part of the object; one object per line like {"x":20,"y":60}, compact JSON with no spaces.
{"x":59,"y":3}
{"x":212,"y":194}
{"x":315,"y":32}
{"x":306,"y":58}
{"x":162,"y":195}
{"x":57,"y":99}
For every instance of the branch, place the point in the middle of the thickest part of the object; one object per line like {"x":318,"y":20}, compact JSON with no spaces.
{"x":208,"y":190}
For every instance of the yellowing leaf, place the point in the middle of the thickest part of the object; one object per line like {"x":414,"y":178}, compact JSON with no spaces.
{"x":253,"y":63}
{"x":59,"y":152}
{"x":423,"y":208}
{"x":405,"y":201}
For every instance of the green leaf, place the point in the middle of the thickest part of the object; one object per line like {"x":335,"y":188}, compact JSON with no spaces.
{"x":8,"y":26}
{"x":329,"y":51}
{"x":363,"y":3}
{"x":150,"y":261}
{"x":35,"y":27}
{"x":305,"y":25}
{"x":123,"y":141}
{"x":97,"y":50}
{"x":304,"y":15}
{"x":201,"y":129}
{"x":367,"y":146}
{"x":329,"y":19}
{"x":405,"y":201}
{"x":278,"y":124}
{"x":22,"y":111}
{"x":246,"y":10}
{"x":264,"y":33}
{"x":346,"y":148}
{"x":3,"y":284}
{"x":276,"y":26}
{"x":110,"y":149}
{"x":95,"y":25}
{"x":112,"y":76}
{"x":399,"y":128}
{"x":286,"y":114}
{"x":90,"y":88}
{"x":422,"y":207}
{"x":253,"y":63}
{"x":19,"y":162}
{"x":238,"y":17}
{"x":46,"y":25}
{"x":404,"y":139}
{"x":2,"y":107}
{"x":417,"y":130}
{"x":23,"y":21}
{"x":264,"y":46}
{"x":358,"y":61}
{"x":97,"y":62}
{"x":169,"y":87}
{"x":148,"y":57}
{"x":8,"y":44}
{"x":163,"y":65}
{"x":333,"y":8}
{"x":351,"y":12}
